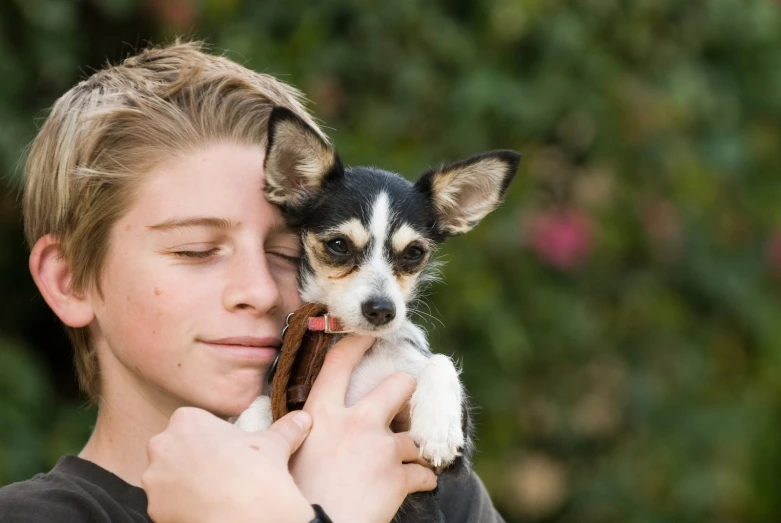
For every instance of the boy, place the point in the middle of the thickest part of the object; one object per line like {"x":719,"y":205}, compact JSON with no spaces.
{"x":152,"y":242}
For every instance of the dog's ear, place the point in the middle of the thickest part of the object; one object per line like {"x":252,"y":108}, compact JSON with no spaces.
{"x":463,"y":193}
{"x":298,"y":163}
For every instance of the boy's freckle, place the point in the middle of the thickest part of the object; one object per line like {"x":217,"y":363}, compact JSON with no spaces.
{"x":254,"y":447}
{"x":128,"y":227}
{"x":158,"y":292}
{"x":178,"y":364}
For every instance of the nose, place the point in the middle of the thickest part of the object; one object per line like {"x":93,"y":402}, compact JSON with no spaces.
{"x":251,"y":286}
{"x":378,"y":311}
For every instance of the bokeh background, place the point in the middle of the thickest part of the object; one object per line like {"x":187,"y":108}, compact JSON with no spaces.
{"x":618,"y":319}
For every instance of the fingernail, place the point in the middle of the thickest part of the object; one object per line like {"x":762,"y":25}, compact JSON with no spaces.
{"x":303,"y":420}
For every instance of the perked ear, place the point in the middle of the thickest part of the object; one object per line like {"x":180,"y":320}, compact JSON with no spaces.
{"x":298,"y":160}
{"x":463,"y":193}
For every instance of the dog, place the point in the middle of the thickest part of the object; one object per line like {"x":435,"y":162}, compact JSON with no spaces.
{"x":368,"y":237}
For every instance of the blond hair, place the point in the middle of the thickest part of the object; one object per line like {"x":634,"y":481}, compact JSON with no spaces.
{"x":107,"y":131}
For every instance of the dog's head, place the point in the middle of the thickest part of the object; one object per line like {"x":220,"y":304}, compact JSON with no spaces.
{"x":368,"y":234}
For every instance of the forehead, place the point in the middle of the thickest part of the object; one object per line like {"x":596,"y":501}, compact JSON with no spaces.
{"x":211,"y":175}
{"x":210,"y":186}
{"x":356,"y":198}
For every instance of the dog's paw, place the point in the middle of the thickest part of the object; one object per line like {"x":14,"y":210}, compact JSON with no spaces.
{"x":435,"y":424}
{"x":257,"y":417}
{"x":440,"y":448}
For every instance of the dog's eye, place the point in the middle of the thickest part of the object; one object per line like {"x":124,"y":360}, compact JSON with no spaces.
{"x":338,"y":246}
{"x":413,"y":253}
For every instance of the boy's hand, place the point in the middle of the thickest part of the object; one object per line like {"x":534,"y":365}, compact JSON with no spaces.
{"x":351,"y":463}
{"x":203,"y":469}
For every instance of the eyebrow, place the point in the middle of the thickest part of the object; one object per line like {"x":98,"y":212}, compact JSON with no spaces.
{"x":195,"y":221}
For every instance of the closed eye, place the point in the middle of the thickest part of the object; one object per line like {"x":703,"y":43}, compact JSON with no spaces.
{"x":287,"y":257}
{"x":196,"y":254}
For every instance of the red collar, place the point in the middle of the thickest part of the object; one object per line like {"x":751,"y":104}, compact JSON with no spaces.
{"x":325,"y":323}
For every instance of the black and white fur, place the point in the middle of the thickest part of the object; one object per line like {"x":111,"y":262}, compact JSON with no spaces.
{"x":367,"y":236}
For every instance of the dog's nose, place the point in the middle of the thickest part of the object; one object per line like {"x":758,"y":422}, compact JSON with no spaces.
{"x":378,"y":311}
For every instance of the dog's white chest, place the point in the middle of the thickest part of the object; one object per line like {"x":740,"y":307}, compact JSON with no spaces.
{"x":382,"y":360}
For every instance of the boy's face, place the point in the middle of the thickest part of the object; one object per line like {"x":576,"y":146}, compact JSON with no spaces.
{"x":199,"y":277}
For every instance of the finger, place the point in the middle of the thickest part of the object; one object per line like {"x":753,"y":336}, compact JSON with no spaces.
{"x":408,"y":451}
{"x":156,"y":447}
{"x":192,"y":420}
{"x":401,"y":421}
{"x":292,"y":429}
{"x":331,"y":384}
{"x":388,"y":398}
{"x":419,"y":478}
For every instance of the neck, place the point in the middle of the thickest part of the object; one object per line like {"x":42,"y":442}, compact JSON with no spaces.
{"x":129,"y":414}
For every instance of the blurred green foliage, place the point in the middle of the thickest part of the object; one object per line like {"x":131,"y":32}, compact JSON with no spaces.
{"x":618,"y":319}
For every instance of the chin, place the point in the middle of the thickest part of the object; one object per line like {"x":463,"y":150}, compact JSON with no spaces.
{"x":227,"y":410}
{"x":229,"y":403}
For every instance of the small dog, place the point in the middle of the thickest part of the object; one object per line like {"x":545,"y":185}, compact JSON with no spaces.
{"x":368,"y":237}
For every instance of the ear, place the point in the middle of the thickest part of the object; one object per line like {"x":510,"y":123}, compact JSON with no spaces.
{"x":463,"y":193}
{"x":53,"y":275}
{"x":299,"y":162}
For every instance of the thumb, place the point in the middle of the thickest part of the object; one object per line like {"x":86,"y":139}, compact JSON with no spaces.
{"x":294,"y":428}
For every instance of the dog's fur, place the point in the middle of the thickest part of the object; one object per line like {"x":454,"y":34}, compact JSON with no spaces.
{"x":367,"y":237}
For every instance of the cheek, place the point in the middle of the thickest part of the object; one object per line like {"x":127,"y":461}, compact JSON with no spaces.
{"x":136,"y":319}
{"x":286,"y":280}
{"x":288,"y":289}
{"x":145,"y":318}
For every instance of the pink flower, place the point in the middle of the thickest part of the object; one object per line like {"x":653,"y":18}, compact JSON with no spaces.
{"x":561,"y":238}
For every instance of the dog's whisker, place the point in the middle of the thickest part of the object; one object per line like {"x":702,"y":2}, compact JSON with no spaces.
{"x":425,"y":315}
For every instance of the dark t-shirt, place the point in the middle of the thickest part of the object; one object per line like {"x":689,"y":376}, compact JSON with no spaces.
{"x":79,"y":491}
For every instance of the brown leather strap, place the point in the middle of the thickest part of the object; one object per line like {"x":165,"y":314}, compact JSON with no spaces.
{"x":300,"y":360}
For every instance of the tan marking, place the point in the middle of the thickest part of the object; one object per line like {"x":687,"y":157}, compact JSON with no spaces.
{"x":407,"y":284}
{"x":403,"y":237}
{"x":355,"y":231}
{"x":345,"y":274}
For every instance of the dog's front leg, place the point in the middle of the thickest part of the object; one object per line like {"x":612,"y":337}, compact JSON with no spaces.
{"x":436,"y":410}
{"x":257,"y":417}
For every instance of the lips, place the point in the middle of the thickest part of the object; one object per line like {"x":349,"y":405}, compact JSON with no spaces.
{"x":251,"y":348}
{"x":247,"y":341}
